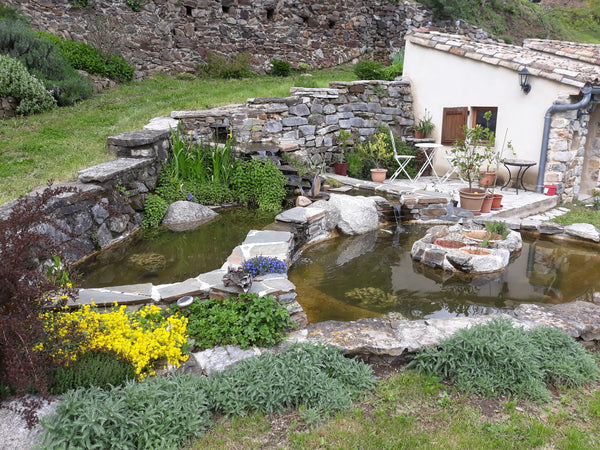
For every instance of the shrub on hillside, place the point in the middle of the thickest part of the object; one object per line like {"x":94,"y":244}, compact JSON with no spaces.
{"x":374,"y":70}
{"x":497,"y":358}
{"x":44,"y":60}
{"x":280,"y":68}
{"x":219,"y":66}
{"x":85,"y":57}
{"x":29,"y":92}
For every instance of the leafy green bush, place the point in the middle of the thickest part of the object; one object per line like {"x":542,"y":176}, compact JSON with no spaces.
{"x":7,"y":12}
{"x":94,"y":368}
{"x":495,"y":359}
{"x":43,"y":60}
{"x":218,"y":66}
{"x":155,"y":210}
{"x":367,"y":69}
{"x":309,"y":376}
{"x":280,"y":68}
{"x":85,"y":57}
{"x":29,"y":92}
{"x":160,"y":413}
{"x":247,"y":320}
{"x":259,"y":182}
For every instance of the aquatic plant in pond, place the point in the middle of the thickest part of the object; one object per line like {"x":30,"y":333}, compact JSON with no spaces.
{"x":261,"y":265}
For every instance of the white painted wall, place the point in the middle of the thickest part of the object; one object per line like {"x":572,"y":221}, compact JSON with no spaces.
{"x":440,"y":79}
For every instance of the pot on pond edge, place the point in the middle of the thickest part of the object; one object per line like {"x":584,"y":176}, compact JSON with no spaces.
{"x":496,"y":202}
{"x":340,"y":168}
{"x":486,"y":205}
{"x":378,"y":175}
{"x":471,"y":199}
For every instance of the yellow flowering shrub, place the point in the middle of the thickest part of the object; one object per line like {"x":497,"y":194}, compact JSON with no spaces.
{"x":143,"y":338}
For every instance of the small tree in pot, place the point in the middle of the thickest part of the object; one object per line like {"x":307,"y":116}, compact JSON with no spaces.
{"x":468,"y":154}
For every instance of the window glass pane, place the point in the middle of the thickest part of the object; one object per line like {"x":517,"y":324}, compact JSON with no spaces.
{"x":480,"y":120}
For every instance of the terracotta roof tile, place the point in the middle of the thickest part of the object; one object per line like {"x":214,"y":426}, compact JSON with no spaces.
{"x":570,"y":63}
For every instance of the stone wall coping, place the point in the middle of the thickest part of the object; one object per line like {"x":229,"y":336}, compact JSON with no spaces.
{"x":111,"y":169}
{"x":138,"y":138}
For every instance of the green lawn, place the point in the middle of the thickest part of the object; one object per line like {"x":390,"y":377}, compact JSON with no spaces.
{"x":417,"y":412}
{"x":57,"y":144}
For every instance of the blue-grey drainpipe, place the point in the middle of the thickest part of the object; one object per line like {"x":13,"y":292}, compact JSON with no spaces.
{"x":587,"y":92}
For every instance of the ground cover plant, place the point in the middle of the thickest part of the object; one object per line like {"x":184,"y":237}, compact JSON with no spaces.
{"x":260,"y":265}
{"x":246,"y":320}
{"x":499,"y":359}
{"x":162,"y":412}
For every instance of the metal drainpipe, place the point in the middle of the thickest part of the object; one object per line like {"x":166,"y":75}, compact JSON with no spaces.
{"x":587,"y":92}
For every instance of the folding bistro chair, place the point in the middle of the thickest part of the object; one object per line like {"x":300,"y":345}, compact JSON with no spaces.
{"x":402,"y":160}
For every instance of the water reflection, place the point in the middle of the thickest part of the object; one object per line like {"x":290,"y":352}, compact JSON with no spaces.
{"x":384,"y":278}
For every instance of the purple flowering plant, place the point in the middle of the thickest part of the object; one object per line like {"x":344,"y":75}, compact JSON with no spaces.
{"x":260,"y":265}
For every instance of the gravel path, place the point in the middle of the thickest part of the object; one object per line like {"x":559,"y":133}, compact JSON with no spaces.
{"x":14,"y":434}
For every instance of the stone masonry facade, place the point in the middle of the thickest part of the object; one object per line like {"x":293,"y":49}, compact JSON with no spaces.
{"x":175,"y":35}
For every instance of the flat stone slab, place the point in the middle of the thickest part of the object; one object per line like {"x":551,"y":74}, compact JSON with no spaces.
{"x":267,"y":237}
{"x":341,"y":189}
{"x":138,"y":138}
{"x":580,"y":319}
{"x":184,"y":216}
{"x":128,"y":294}
{"x":173,"y":292}
{"x":162,"y":124}
{"x":111,"y":169}
{"x":583,"y":230}
{"x":300,"y":215}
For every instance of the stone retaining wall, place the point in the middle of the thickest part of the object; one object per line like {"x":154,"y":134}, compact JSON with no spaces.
{"x":311,"y":118}
{"x":174,"y":35}
{"x":121,"y":185}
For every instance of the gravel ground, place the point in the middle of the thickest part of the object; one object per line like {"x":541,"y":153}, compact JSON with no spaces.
{"x":14,"y":434}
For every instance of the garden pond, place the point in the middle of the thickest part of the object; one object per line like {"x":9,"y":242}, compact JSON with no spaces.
{"x":355,"y":277}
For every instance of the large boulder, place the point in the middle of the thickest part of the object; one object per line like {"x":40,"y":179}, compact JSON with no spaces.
{"x":183,"y":216}
{"x":351,"y":214}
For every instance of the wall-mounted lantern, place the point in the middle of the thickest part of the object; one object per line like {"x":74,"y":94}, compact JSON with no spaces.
{"x":523,"y":80}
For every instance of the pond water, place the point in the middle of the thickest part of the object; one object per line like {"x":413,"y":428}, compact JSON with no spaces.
{"x":162,"y":257}
{"x":371,"y":275}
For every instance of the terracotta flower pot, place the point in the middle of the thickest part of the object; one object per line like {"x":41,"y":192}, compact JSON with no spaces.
{"x":448,"y":243}
{"x":340,"y":168}
{"x":487,"y":179}
{"x":497,"y":202}
{"x":471,"y":199}
{"x":378,"y":175}
{"x":476,"y":251}
{"x":486,"y":206}
{"x":419,"y":135}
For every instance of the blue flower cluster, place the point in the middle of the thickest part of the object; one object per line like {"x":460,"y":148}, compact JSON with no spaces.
{"x":259,"y":265}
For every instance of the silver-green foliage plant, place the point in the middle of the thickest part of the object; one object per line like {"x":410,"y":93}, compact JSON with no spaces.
{"x":497,"y":359}
{"x":159,"y":413}
{"x":29,"y":92}
{"x":307,"y":376}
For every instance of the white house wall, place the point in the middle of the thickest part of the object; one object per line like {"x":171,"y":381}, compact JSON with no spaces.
{"x":441,"y":79}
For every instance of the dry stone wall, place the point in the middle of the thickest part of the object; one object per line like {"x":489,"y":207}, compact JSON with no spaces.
{"x":175,"y":35}
{"x":311,"y":118}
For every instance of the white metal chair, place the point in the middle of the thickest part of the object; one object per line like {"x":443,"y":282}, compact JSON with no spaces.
{"x":402,"y":160}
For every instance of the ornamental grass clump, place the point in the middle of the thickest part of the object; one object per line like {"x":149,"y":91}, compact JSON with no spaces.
{"x":145,"y":338}
{"x":497,"y":358}
{"x":261,"y":265}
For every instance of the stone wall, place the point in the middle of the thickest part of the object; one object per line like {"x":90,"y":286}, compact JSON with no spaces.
{"x":175,"y":35}
{"x":8,"y":107}
{"x":311,"y":118}
{"x":110,"y":200}
{"x":566,"y":151}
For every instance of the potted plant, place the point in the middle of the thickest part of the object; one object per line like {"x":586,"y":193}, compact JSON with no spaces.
{"x":340,"y":167}
{"x":424,"y":126}
{"x":468,"y":155}
{"x":378,"y":150}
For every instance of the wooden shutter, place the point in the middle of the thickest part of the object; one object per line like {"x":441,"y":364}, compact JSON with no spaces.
{"x":454,"y":120}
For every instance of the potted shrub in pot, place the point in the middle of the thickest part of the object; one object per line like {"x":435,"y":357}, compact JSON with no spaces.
{"x":424,"y":126}
{"x":378,"y":150}
{"x":340,"y":167}
{"x":468,"y":155}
